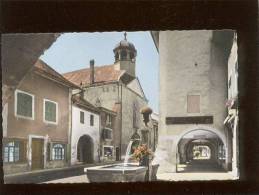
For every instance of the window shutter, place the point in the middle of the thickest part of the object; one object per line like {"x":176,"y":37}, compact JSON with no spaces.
{"x":48,"y":152}
{"x":103,"y":134}
{"x":3,"y":151}
{"x":101,"y":152}
{"x":65,"y":151}
{"x":23,"y":150}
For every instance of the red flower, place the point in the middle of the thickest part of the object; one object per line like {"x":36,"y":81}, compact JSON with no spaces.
{"x":142,"y":151}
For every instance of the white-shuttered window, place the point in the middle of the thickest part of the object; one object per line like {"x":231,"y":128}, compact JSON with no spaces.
{"x":24,"y":104}
{"x":50,"y":111}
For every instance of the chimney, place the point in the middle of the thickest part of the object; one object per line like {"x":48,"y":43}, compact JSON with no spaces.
{"x":92,"y":71}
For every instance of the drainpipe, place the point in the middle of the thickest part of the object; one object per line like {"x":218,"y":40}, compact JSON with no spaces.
{"x":121,"y":123}
{"x":154,"y":138}
{"x":69,"y":127}
{"x":100,"y":137}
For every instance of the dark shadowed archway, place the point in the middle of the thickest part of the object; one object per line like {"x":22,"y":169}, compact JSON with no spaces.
{"x":85,"y":149}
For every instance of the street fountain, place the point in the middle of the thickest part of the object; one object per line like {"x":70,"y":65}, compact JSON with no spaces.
{"x":123,"y":172}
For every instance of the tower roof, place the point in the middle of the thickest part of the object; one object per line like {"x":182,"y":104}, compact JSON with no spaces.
{"x":125,"y":44}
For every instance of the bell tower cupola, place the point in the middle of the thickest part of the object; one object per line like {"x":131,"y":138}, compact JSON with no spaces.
{"x":125,"y":56}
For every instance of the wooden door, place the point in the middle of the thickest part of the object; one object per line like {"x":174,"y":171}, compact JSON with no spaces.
{"x":37,"y":154}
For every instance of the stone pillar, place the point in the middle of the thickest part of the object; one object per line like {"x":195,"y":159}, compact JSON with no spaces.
{"x":235,"y":149}
{"x":164,"y":155}
{"x":173,"y":157}
{"x":229,"y":153}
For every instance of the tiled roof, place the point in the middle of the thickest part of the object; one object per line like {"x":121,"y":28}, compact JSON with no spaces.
{"x":44,"y":68}
{"x":108,"y":110}
{"x":105,"y":73}
{"x":77,"y":99}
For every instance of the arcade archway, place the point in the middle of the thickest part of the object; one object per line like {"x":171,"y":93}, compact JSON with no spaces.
{"x":85,"y":149}
{"x":200,"y":151}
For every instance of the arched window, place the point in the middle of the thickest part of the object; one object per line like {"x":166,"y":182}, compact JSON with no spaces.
{"x":131,"y":55}
{"x":123,"y":55}
{"x":116,"y":56}
{"x":58,"y":152}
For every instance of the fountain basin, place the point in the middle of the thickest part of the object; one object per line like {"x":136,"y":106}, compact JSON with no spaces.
{"x":116,"y":173}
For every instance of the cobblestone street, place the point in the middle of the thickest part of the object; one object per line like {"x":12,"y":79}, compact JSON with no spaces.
{"x":160,"y":177}
{"x":75,"y":179}
{"x":194,"y":176}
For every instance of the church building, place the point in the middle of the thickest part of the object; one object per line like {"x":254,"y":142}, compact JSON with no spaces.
{"x":116,"y":88}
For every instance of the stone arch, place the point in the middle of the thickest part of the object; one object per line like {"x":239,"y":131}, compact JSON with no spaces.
{"x":220,"y":136}
{"x":205,"y":128}
{"x":85,"y":149}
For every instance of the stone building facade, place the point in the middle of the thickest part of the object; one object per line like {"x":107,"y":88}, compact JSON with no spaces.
{"x":115,"y":87}
{"x":193,"y":92}
{"x":37,"y":122}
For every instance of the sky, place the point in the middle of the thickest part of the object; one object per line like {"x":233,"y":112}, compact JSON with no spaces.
{"x":73,"y":51}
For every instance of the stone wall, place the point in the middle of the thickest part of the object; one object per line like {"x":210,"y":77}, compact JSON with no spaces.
{"x":129,"y":98}
{"x":55,"y":164}
{"x":10,"y":168}
{"x":109,"y":95}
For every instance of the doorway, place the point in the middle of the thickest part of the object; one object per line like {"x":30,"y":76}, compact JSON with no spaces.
{"x":85,"y":149}
{"x":37,"y":157}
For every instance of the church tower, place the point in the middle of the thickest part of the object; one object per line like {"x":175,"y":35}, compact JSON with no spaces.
{"x":125,"y":56}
